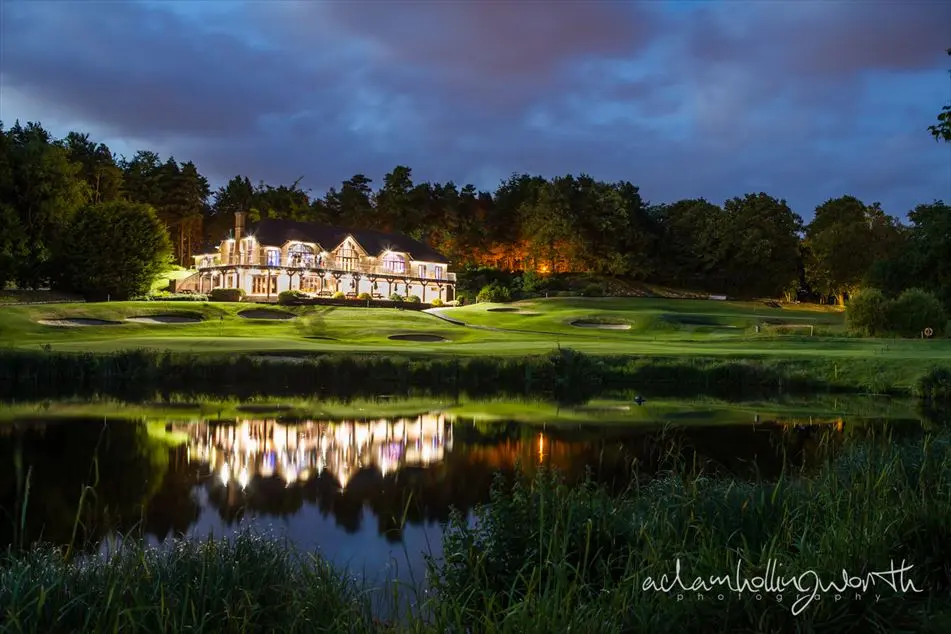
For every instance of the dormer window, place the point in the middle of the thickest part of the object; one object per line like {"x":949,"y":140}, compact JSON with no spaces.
{"x":394,"y":262}
{"x":347,"y":257}
{"x":300,"y":255}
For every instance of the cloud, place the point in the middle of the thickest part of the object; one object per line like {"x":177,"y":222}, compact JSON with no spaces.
{"x":805,"y":100}
{"x":144,"y":71}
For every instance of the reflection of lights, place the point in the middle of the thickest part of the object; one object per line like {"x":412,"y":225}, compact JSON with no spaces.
{"x":290,"y":474}
{"x":541,"y":447}
{"x":302,"y":451}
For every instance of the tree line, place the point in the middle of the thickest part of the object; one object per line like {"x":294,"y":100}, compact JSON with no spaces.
{"x":62,"y":202}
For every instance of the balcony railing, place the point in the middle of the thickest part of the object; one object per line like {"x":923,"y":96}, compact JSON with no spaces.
{"x":335,"y":266}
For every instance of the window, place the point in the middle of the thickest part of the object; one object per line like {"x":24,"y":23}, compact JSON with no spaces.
{"x":394,"y":263}
{"x":311,"y":283}
{"x":422,"y":270}
{"x":300,"y":255}
{"x":273,"y":257}
{"x":347,"y":257}
{"x":437,"y":272}
{"x":259,"y":284}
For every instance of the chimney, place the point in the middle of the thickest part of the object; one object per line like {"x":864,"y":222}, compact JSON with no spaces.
{"x":239,"y":218}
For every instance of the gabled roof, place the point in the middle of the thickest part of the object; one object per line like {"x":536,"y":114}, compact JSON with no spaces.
{"x":273,"y":232}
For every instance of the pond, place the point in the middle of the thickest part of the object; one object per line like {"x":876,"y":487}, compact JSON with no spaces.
{"x":370,"y":491}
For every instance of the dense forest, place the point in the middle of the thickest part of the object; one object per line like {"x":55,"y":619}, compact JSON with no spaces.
{"x":752,"y":245}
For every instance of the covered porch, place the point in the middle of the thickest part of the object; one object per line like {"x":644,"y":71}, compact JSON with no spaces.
{"x":267,"y":282}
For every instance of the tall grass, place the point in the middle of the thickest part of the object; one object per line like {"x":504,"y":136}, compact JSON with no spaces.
{"x":251,"y":584}
{"x":541,"y":553}
{"x":545,"y":557}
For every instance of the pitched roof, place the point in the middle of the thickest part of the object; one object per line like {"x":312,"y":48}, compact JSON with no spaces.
{"x":276,"y":232}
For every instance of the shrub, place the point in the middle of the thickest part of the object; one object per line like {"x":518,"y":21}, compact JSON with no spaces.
{"x":437,"y":302}
{"x":290,"y":298}
{"x":867,"y":312}
{"x":592,"y":290}
{"x":532,"y":282}
{"x":364,"y":297}
{"x":226,"y":295}
{"x":413,"y":299}
{"x":935,"y":386}
{"x":915,"y":310}
{"x":339,"y":295}
{"x":115,"y":249}
{"x":165,"y":296}
{"x":494,"y":293}
{"x":396,"y":297}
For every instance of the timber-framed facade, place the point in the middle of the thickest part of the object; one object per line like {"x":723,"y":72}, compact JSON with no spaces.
{"x":272,"y":256}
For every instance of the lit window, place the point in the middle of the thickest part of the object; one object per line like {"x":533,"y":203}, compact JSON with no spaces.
{"x":394,"y":263}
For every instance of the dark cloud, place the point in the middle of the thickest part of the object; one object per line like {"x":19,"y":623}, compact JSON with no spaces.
{"x":711,"y":100}
{"x":143,"y":71}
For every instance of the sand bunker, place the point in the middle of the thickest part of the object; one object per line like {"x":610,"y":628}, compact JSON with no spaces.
{"x":581,"y":323}
{"x":166,"y":319}
{"x":72,"y":322}
{"x":418,"y":338}
{"x":265,"y":313}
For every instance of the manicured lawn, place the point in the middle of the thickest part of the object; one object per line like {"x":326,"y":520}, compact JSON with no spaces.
{"x":658,"y":327}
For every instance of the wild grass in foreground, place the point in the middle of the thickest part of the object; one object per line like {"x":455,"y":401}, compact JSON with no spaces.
{"x":252,"y":584}
{"x":544,"y":557}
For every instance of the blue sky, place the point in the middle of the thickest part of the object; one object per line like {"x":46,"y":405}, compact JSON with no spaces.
{"x":804,"y":100}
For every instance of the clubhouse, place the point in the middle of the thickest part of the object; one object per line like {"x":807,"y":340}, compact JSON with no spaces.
{"x":271,"y":256}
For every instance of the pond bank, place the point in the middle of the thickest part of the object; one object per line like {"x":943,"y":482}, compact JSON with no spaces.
{"x":563,"y":375}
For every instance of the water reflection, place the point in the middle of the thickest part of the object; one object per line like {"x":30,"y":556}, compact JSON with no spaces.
{"x":358,"y":489}
{"x":297,"y":452}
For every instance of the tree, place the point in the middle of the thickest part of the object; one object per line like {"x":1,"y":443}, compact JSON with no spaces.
{"x":44,"y":190}
{"x":914,"y":311}
{"x":98,"y":167}
{"x":941,"y":131}
{"x":843,"y":240}
{"x":356,"y":203}
{"x":693,"y":233}
{"x":867,"y":312}
{"x":929,"y":247}
{"x":114,"y":250}
{"x":11,"y":236}
{"x":395,"y":208}
{"x":762,"y":240}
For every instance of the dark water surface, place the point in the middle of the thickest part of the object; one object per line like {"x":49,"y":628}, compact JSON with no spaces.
{"x":369,"y":493}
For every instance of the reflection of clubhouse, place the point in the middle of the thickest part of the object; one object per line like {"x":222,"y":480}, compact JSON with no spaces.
{"x":301,"y":451}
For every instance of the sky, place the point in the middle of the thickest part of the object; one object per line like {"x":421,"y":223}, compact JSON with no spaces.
{"x":805,"y":100}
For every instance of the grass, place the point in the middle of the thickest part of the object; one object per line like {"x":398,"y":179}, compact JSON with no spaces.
{"x":161,"y":283}
{"x":676,"y":330}
{"x":600,"y":411}
{"x":543,"y":557}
